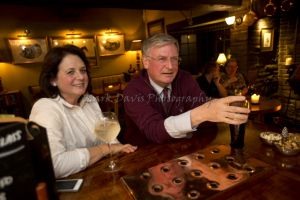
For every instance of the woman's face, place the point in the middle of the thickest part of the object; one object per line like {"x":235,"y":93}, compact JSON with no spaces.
{"x":231,"y":68}
{"x":71,"y":78}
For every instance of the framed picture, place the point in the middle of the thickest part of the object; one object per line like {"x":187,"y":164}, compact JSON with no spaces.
{"x":87,"y":44}
{"x":157,"y":26}
{"x":110,"y":44}
{"x":267,"y":39}
{"x":29,"y":50}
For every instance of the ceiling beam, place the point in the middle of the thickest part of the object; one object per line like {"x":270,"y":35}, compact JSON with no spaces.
{"x":131,"y":4}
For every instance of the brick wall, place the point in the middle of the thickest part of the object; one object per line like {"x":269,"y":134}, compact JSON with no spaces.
{"x":270,"y":69}
{"x":289,"y":46}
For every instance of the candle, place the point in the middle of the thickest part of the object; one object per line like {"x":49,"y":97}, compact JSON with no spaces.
{"x":288,"y":61}
{"x":255,"y":98}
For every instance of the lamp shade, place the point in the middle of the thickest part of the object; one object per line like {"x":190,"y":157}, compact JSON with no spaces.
{"x":136,"y":45}
{"x":221,"y":59}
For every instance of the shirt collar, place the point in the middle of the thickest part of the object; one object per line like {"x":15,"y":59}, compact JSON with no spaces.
{"x":158,"y":88}
{"x":85,"y":99}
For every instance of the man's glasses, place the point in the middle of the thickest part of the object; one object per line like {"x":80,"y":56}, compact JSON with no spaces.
{"x":162,"y":59}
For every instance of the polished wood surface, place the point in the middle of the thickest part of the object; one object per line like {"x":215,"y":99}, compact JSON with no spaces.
{"x":282,"y":184}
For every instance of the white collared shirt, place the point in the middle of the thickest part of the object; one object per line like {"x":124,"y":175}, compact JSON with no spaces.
{"x":177,"y":126}
{"x":70,"y":131}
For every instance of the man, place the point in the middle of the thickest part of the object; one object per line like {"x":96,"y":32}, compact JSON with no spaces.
{"x":209,"y":81}
{"x":152,"y":119}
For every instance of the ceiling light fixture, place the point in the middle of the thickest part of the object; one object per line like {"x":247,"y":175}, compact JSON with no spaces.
{"x":250,"y":18}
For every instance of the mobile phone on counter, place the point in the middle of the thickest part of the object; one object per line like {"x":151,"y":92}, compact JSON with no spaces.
{"x":68,"y":185}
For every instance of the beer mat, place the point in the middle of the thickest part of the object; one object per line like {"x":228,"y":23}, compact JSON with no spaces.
{"x":211,"y":173}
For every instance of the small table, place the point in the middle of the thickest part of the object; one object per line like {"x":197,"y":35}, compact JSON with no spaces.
{"x":265,"y":105}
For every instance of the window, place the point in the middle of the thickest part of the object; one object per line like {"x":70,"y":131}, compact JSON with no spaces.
{"x":188,"y":52}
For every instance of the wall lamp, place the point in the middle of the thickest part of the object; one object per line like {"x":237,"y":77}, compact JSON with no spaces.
{"x":233,"y":20}
{"x":25,"y":35}
{"x":109,"y":31}
{"x":73,"y":34}
{"x":230,"y":20}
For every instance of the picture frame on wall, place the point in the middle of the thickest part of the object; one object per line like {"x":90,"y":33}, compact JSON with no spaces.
{"x":267,"y":40}
{"x":110,"y":44}
{"x":87,"y":44}
{"x":157,"y":26}
{"x":27,"y":50}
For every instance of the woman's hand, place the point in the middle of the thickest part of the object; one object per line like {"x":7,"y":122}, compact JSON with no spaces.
{"x":232,"y":79}
{"x":98,"y":152}
{"x":216,"y":79}
{"x":126,"y":148}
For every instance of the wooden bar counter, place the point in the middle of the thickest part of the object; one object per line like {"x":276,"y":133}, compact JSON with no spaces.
{"x":283,"y":183}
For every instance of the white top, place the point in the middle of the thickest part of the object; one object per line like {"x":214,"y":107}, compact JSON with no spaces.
{"x":177,"y":126}
{"x":70,"y":131}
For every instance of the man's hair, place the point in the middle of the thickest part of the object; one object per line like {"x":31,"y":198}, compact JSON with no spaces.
{"x":210,"y":67}
{"x":158,"y":40}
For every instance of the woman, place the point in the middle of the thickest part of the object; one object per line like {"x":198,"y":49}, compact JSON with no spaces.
{"x":69,"y":113}
{"x":209,"y":81}
{"x":232,"y":80}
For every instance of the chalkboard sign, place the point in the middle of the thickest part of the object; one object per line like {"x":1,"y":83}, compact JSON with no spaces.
{"x":17,"y":179}
{"x":25,"y":162}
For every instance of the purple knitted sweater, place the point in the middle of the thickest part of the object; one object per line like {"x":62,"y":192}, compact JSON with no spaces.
{"x":145,"y":114}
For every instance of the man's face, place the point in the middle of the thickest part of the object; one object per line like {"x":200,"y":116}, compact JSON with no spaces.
{"x":162,"y":64}
{"x":216,"y":72}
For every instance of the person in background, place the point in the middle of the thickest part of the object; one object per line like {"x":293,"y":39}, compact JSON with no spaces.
{"x":233,"y":80}
{"x":69,"y":112}
{"x":209,"y":81}
{"x":164,"y":102}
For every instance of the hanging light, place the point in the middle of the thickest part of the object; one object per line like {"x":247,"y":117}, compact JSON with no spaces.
{"x":250,"y":17}
{"x":270,"y":8}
